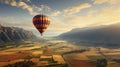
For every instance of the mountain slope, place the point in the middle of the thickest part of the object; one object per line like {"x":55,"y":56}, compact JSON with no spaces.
{"x":11,"y":34}
{"x":104,"y":34}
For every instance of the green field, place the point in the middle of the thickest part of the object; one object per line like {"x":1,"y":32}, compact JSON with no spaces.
{"x":96,"y":57}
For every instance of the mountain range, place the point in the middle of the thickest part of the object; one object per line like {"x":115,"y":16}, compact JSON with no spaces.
{"x":12,"y":34}
{"x":106,"y":34}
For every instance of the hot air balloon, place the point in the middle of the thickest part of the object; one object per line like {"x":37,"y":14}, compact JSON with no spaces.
{"x":41,"y":22}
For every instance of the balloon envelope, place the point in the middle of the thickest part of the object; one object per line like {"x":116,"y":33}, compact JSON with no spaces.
{"x":41,"y":22}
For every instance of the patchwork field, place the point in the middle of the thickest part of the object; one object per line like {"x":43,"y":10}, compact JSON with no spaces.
{"x":15,"y":56}
{"x":81,"y":63}
{"x":75,"y":56}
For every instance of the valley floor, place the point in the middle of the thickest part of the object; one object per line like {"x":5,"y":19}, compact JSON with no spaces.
{"x":60,"y":53}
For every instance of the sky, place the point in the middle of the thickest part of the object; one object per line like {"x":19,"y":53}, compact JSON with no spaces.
{"x":65,"y":15}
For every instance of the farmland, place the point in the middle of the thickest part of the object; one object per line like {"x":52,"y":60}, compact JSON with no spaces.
{"x":81,"y":56}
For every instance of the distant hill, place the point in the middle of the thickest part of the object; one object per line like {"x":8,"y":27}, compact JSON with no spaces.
{"x":102,"y":34}
{"x":12,"y":34}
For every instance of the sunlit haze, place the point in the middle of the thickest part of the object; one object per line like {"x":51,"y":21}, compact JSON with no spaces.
{"x":65,"y":15}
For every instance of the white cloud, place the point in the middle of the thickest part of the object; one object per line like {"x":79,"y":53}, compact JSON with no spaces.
{"x":55,"y":13}
{"x":32,"y":9}
{"x":105,"y":16}
{"x":28,"y":0}
{"x":99,"y":1}
{"x":45,"y":7}
{"x":20,"y":4}
{"x":13,"y":3}
{"x":6,"y":1}
{"x":25,"y":0}
{"x":70,"y":10}
{"x":27,"y":7}
{"x":106,"y":1}
{"x":77,"y":8}
{"x":38,"y":8}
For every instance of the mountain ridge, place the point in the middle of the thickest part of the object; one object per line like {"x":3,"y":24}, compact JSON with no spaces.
{"x":104,"y":34}
{"x":12,"y":34}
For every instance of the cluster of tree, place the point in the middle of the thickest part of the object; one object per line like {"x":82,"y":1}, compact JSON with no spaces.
{"x":75,"y":51}
{"x":116,"y":60}
{"x":57,"y":65}
{"x":22,"y":64}
{"x":101,"y":63}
